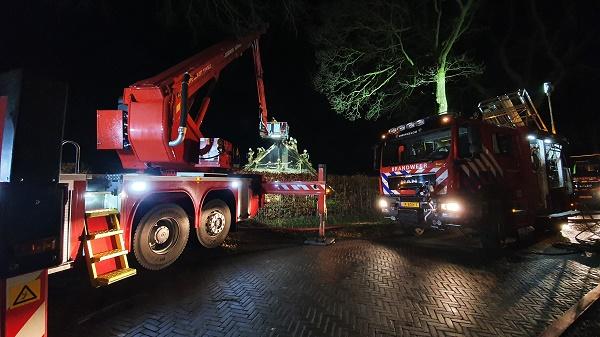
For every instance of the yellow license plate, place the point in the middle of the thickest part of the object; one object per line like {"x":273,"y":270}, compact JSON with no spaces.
{"x":410,"y":204}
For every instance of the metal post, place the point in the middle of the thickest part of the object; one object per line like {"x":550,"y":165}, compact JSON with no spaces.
{"x":321,"y":202}
{"x":551,"y":115}
{"x":548,"y":91}
{"x":23,"y":305}
{"x":322,"y":240}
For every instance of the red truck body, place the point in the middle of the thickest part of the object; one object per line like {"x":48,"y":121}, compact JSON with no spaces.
{"x":452,"y":171}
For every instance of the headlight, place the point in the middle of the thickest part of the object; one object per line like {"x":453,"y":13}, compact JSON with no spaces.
{"x":383,"y":203}
{"x":451,"y":206}
{"x":138,"y":186}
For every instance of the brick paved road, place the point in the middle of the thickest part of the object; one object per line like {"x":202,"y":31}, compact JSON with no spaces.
{"x":353,"y":288}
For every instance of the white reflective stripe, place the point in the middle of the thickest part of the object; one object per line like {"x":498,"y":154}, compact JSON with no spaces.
{"x":492,"y":159}
{"x":304,"y":187}
{"x":442,"y":177}
{"x":36,"y":324}
{"x":419,"y":171}
{"x":435,"y":169}
{"x":464,"y":167}
{"x":322,"y":186}
{"x":385,"y":182}
{"x":395,"y":192}
{"x":444,"y":190}
{"x":21,"y":279}
{"x":295,"y":187}
{"x":285,"y":187}
{"x":473,"y":167}
{"x":480,"y":164}
{"x":489,"y":165}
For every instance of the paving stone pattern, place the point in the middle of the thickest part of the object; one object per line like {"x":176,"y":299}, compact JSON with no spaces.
{"x":352,"y":288}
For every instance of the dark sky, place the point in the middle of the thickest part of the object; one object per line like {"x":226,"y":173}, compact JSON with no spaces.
{"x":98,"y":52}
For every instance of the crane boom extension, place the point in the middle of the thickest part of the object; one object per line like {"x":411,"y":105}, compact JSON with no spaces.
{"x":152,"y":128}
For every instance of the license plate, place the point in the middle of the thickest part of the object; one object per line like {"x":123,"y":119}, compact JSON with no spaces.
{"x":410,"y":204}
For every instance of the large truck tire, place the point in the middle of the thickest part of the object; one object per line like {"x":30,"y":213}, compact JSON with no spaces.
{"x":214,"y":225}
{"x":493,"y":227}
{"x":161,"y":236}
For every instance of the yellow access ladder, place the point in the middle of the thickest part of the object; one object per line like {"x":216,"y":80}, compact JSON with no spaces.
{"x":119,"y":253}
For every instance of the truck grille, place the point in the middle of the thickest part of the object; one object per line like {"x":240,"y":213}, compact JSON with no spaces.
{"x":410,"y":185}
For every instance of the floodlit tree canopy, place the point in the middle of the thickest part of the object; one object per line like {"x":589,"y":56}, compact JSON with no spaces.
{"x":375,"y":56}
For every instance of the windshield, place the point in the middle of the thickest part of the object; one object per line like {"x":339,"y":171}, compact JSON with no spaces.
{"x":433,"y":145}
{"x":586,"y":169}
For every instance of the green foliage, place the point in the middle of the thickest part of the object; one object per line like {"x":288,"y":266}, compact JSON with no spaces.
{"x":377,"y":57}
{"x":354,"y":201}
{"x":236,"y":17}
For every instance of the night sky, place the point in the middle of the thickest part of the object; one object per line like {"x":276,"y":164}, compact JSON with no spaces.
{"x":100,"y":49}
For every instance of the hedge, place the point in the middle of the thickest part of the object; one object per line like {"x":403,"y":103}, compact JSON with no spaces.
{"x":353,"y":201}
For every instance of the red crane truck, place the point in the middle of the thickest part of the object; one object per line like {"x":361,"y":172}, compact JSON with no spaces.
{"x":493,"y":174}
{"x":185,"y":183}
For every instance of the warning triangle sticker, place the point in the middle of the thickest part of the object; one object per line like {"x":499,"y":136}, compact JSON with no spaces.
{"x":26,"y":295}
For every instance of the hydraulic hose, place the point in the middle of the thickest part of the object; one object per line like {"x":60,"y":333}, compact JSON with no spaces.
{"x":183,"y":117}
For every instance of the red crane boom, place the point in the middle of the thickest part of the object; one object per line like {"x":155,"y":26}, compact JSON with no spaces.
{"x":152,"y":128}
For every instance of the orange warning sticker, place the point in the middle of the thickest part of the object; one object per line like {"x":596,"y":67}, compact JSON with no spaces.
{"x":23,"y":294}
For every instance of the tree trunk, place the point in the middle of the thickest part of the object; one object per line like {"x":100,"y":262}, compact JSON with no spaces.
{"x":440,"y":90}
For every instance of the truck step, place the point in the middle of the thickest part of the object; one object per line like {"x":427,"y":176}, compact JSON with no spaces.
{"x":110,"y":227}
{"x":96,"y":213}
{"x":114,"y":276}
{"x":103,"y":234}
{"x":108,"y":255}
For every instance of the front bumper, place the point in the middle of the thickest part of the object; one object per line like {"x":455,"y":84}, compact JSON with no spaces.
{"x":429,"y":213}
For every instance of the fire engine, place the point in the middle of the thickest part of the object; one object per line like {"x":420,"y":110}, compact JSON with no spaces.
{"x":586,"y":180}
{"x":185,"y":184}
{"x":493,"y":173}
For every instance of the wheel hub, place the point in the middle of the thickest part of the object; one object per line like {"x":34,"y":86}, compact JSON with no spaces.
{"x":215,"y":223}
{"x":162,"y":234}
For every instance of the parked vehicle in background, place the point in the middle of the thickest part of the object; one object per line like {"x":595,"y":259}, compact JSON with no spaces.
{"x":586,"y":181}
{"x":493,"y":174}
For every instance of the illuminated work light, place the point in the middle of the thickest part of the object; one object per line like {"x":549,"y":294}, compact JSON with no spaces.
{"x":548,"y":141}
{"x":235,"y":184}
{"x":452,"y":206}
{"x":138,"y":186}
{"x":531,"y":137}
{"x":383,"y":203}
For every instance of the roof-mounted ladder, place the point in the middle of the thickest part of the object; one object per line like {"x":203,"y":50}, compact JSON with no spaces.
{"x":512,"y":110}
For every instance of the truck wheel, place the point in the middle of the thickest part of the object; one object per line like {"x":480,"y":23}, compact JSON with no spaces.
{"x":214,"y":223}
{"x":493,"y":227}
{"x":161,"y":236}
